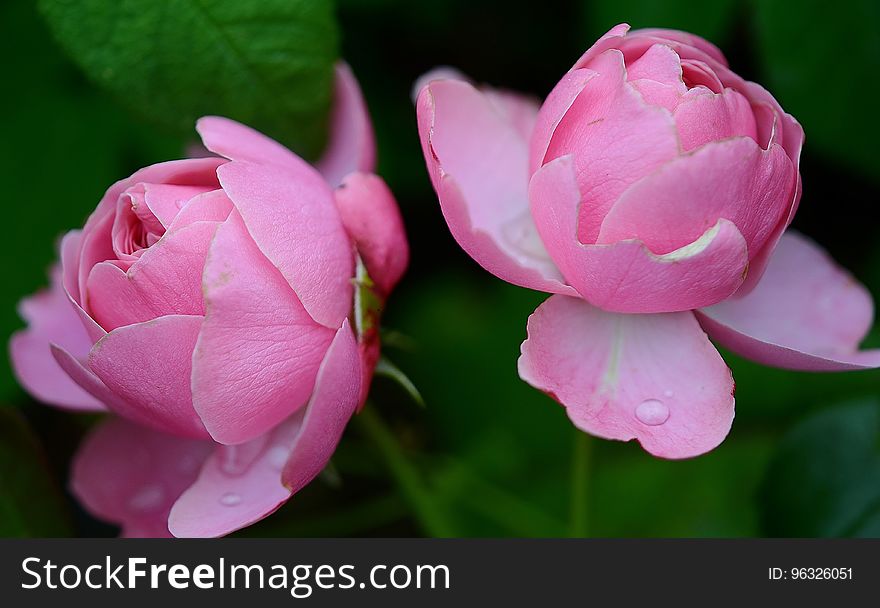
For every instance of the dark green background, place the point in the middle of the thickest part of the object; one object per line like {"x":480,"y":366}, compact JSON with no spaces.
{"x":488,"y":455}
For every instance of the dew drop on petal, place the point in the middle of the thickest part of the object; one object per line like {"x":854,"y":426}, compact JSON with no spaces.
{"x":230,"y":499}
{"x":652,"y":412}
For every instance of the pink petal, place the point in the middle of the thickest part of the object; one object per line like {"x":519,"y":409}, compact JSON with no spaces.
{"x":661,"y":64}
{"x":552,"y":111}
{"x":806,"y":313}
{"x":96,"y":242}
{"x":291,"y":215}
{"x":51,"y":318}
{"x":166,"y":280}
{"x":213,"y":206}
{"x":686,"y":38}
{"x":627,"y":276}
{"x":336,"y":396}
{"x":242,"y":484}
{"x":654,"y":378}
{"x":478,"y":163}
{"x":372,"y":220}
{"x":130,"y":475}
{"x":733,"y":179}
{"x":703,"y":117}
{"x":615,"y":139}
{"x":520,"y":111}
{"x":611,"y":39}
{"x":352,"y":145}
{"x":236,"y":141}
{"x":259,"y":350}
{"x":70,"y":251}
{"x":166,"y":201}
{"x":148,"y":366}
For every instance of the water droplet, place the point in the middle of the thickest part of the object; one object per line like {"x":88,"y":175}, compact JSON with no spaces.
{"x":230,"y":499}
{"x":652,"y":412}
{"x":668,"y":394}
{"x":147,"y":499}
{"x":277,"y":456}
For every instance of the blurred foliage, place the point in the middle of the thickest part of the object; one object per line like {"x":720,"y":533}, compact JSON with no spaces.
{"x":30,"y":503}
{"x":267,"y":63}
{"x":824,"y":479}
{"x":488,"y":456}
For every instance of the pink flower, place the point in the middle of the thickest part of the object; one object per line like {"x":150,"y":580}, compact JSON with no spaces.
{"x":652,"y":180}
{"x":209,"y":304}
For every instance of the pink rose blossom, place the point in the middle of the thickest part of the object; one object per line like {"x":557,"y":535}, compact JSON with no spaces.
{"x":209,"y":304}
{"x":652,"y":180}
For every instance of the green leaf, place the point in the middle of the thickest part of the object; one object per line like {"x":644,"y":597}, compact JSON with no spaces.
{"x":708,"y":19}
{"x":267,"y":63}
{"x":31,"y":503}
{"x":824,"y":76}
{"x":825,"y":477}
{"x":387,"y":369}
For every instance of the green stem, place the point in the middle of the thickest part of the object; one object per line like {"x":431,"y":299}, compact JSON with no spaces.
{"x":580,"y":473}
{"x":432,"y":519}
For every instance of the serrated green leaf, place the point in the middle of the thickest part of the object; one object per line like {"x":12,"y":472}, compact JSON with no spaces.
{"x":267,"y":63}
{"x":825,"y":477}
{"x":31,"y":504}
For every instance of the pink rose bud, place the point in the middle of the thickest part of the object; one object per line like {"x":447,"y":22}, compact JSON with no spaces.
{"x":652,"y":180}
{"x":210,"y":304}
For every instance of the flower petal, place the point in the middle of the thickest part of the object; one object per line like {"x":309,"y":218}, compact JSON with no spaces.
{"x":51,"y":318}
{"x":149,"y":367}
{"x":478,"y":163}
{"x":372,"y":220}
{"x":615,"y":139}
{"x":242,"y":484}
{"x":626,"y":276}
{"x":806,"y":313}
{"x":291,"y":215}
{"x":166,"y":280}
{"x":733,"y":179}
{"x":352,"y":145}
{"x":259,"y":350}
{"x":703,"y":117}
{"x":336,"y":397}
{"x":655,"y":378}
{"x":130,"y":475}
{"x":236,"y":141}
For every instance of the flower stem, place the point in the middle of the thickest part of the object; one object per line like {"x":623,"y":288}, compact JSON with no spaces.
{"x":580,"y":473}
{"x":409,"y":481}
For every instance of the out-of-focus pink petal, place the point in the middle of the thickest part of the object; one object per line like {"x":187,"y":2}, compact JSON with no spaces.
{"x":733,"y":179}
{"x":336,"y":396}
{"x":352,"y":145}
{"x":806,"y":313}
{"x":242,"y":484}
{"x":166,"y":280}
{"x":615,"y":139}
{"x":291,"y":215}
{"x":130,"y":475}
{"x":51,"y":318}
{"x":478,"y":163}
{"x":149,"y":367}
{"x":654,"y":378}
{"x":372,"y":220}
{"x":703,"y":117}
{"x":520,"y":111}
{"x":627,"y":276}
{"x":259,"y":350}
